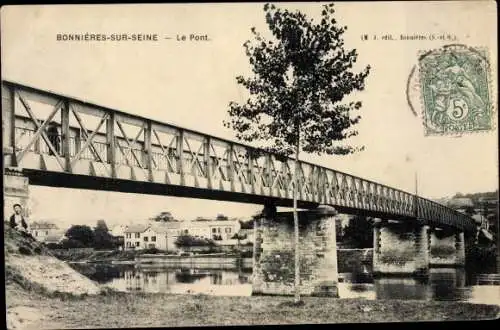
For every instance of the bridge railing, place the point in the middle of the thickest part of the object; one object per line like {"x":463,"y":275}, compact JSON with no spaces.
{"x":174,"y":155}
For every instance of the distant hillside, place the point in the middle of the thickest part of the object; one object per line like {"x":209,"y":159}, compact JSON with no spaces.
{"x":477,"y":197}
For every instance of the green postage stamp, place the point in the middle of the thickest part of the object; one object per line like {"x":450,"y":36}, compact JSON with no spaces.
{"x":455,"y":91}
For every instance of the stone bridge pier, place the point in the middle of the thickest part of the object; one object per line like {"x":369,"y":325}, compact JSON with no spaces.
{"x":447,"y":247}
{"x":274,"y":263}
{"x":400,"y":248}
{"x":16,"y":191}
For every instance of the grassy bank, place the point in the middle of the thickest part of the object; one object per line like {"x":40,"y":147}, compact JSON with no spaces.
{"x":96,"y":255}
{"x":118,"y":310}
{"x":347,"y":257}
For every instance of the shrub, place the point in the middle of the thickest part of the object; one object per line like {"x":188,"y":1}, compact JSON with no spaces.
{"x":442,"y":251}
{"x":188,"y":240}
{"x":24,"y":250}
{"x":239,"y":236}
{"x":71,"y":244}
{"x":397,"y":257}
{"x":151,"y":251}
{"x":53,"y":246}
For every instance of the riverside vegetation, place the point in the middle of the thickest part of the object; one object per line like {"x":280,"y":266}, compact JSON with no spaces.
{"x":44,"y":292}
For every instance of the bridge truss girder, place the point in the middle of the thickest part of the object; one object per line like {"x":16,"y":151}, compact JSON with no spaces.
{"x":186,"y":162}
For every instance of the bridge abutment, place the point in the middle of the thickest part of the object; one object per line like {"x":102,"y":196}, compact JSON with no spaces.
{"x":447,"y":248}
{"x":400,"y":248}
{"x":274,"y":266}
{"x":16,"y":191}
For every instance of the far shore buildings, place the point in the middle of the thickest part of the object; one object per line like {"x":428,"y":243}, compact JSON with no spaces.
{"x":163,"y":234}
{"x":220,"y":228}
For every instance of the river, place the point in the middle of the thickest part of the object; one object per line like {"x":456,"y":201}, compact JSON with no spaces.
{"x":443,"y":284}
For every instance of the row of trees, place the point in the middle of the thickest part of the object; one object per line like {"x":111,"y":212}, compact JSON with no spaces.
{"x":188,"y":240}
{"x":358,"y":233}
{"x":82,"y":236}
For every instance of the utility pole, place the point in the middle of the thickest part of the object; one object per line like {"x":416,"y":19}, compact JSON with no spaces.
{"x":416,"y":183}
{"x":416,"y":195}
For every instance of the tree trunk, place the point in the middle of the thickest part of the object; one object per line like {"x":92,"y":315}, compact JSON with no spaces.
{"x":296,"y":224}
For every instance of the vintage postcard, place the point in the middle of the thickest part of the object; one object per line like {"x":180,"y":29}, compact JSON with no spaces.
{"x":209,"y":164}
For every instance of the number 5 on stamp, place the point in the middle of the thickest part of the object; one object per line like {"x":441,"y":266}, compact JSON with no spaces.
{"x":455,"y":93}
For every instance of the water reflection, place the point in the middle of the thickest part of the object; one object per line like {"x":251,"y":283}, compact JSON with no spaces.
{"x":443,"y":284}
{"x":401,"y":288}
{"x":153,"y":279}
{"x":449,"y":284}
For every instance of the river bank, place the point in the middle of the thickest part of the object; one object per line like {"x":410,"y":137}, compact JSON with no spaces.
{"x":346,"y":257}
{"x":43,"y":292}
{"x":119,"y":310}
{"x":90,"y":255}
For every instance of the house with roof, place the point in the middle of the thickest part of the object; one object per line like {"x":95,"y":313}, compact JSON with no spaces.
{"x":132,"y":237}
{"x":221,"y":228}
{"x":45,"y":231}
{"x":160,"y":236}
{"x":224,"y":229}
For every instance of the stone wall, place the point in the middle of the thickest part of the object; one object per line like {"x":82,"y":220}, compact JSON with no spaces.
{"x":274,"y":265}
{"x":16,"y":191}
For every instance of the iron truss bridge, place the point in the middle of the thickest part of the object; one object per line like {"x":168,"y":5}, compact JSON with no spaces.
{"x":65,"y":142}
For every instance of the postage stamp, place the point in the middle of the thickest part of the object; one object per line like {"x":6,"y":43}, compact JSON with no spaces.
{"x":455,"y":90}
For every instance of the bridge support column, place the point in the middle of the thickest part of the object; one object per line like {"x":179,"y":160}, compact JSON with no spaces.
{"x":16,"y":191}
{"x":447,"y":248}
{"x":400,"y":248}
{"x":274,"y":266}
{"x":8,"y":126}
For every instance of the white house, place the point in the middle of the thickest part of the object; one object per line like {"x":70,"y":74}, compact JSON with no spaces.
{"x":133,"y":236}
{"x":161,"y":236}
{"x":224,"y":229}
{"x":212,"y":229}
{"x":44,"y":231}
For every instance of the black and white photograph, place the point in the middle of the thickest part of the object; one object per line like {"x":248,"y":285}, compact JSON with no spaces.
{"x":250,"y":164}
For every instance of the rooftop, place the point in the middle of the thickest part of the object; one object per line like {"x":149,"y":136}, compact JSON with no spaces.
{"x":165,"y":226}
{"x":43,"y":225}
{"x":157,"y":227}
{"x":460,"y":202}
{"x":136,"y":228}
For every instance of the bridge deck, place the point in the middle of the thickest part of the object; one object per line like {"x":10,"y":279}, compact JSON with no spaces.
{"x":124,"y":152}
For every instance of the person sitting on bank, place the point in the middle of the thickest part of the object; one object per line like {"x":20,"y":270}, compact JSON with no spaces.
{"x":17,"y":218}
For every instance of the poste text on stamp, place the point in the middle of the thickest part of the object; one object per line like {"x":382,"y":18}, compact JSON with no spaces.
{"x":455,"y":90}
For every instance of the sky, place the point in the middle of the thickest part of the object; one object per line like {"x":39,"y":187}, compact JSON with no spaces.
{"x":190,"y":83}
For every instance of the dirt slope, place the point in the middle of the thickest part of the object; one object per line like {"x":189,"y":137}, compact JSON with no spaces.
{"x":31,"y":269}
